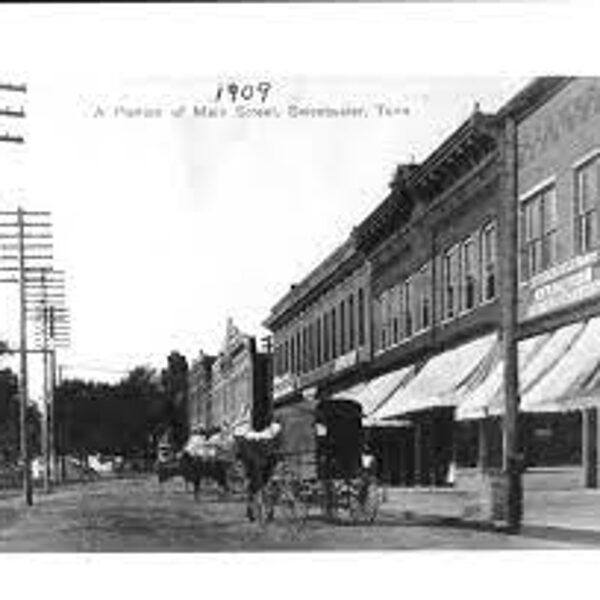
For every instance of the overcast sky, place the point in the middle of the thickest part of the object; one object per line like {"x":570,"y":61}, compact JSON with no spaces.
{"x":168,"y":225}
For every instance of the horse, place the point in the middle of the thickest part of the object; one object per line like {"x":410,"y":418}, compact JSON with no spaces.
{"x":259,"y":460}
{"x":193,"y":469}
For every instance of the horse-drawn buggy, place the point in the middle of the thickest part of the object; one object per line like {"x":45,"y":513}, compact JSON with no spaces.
{"x":205,"y":456}
{"x":313,"y":457}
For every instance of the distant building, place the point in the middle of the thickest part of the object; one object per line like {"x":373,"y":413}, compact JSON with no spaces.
{"x":199,"y":394}
{"x":240,"y":382}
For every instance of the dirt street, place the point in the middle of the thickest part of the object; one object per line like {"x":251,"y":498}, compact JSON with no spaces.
{"x":135,"y":515}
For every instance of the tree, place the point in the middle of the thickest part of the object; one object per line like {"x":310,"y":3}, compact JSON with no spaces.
{"x":10,"y":439}
{"x":119,"y":419}
{"x":9,"y":417}
{"x":175,"y":384}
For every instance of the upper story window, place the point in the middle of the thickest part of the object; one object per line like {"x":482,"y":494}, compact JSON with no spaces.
{"x":450,"y":270}
{"x":488,"y":262}
{"x":318,"y":342}
{"x":351,"y":322}
{"x":298,"y":352}
{"x":305,"y":348}
{"x":408,"y":308}
{"x":423,"y":300}
{"x":291,"y":354}
{"x":539,"y":227}
{"x":396,"y":314}
{"x":361,"y":317}
{"x":587,"y":197}
{"x":342,"y":317}
{"x":468,"y":274}
{"x":311,"y":346}
{"x":326,"y":338}
{"x":384,"y":320}
{"x":334,"y":340}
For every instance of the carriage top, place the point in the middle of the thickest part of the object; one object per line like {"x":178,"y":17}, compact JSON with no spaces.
{"x":318,"y":441}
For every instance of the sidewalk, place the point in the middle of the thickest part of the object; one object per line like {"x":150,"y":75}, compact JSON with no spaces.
{"x":562,"y":515}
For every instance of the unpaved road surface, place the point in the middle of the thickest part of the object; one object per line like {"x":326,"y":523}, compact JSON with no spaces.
{"x":135,"y":515}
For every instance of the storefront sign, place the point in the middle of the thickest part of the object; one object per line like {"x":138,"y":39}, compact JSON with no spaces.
{"x":571,"y":282}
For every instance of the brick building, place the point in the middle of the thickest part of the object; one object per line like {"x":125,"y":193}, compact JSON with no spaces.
{"x":471,"y":287}
{"x":556,"y":133}
{"x":200,"y":392}
{"x":240,"y":382}
{"x":434,"y":290}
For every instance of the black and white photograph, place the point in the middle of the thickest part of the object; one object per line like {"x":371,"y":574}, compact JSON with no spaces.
{"x":250,"y":306}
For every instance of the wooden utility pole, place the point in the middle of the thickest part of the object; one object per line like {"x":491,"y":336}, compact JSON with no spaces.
{"x":51,"y":421}
{"x":27,"y":231}
{"x":45,"y":315}
{"x":512,"y":461}
{"x":24,"y":391}
{"x":46,"y":301}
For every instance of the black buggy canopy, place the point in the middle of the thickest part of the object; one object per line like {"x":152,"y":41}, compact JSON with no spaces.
{"x":322,"y":439}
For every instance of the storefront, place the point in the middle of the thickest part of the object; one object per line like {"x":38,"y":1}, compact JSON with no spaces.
{"x":422,"y":449}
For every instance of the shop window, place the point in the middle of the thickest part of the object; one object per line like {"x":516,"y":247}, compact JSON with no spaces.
{"x":488,"y":262}
{"x":451,"y":268}
{"x":552,"y":440}
{"x":587,"y":197}
{"x":468,"y":275}
{"x":539,"y":232}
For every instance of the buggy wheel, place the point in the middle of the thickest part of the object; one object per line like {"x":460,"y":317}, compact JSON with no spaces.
{"x":259,"y":508}
{"x":294,"y":511}
{"x":364,"y":501}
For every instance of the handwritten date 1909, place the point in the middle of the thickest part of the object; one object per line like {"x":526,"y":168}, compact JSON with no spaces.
{"x":235,"y":92}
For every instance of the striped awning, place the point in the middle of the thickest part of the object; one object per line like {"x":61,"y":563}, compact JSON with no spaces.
{"x":538,"y":357}
{"x":444,"y":379}
{"x":574,"y":382}
{"x":374,"y":394}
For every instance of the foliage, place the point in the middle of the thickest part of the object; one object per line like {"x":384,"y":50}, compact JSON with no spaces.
{"x":10,"y":443}
{"x":175,"y":384}
{"x":101,"y":418}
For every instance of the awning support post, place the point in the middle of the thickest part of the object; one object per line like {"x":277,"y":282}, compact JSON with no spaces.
{"x":589,"y":424}
{"x":418,"y":453}
{"x":483,"y":445}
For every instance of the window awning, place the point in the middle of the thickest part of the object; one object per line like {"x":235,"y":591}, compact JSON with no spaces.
{"x":574,"y":382}
{"x":371,"y":395}
{"x":537,"y":357}
{"x":444,"y":379}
